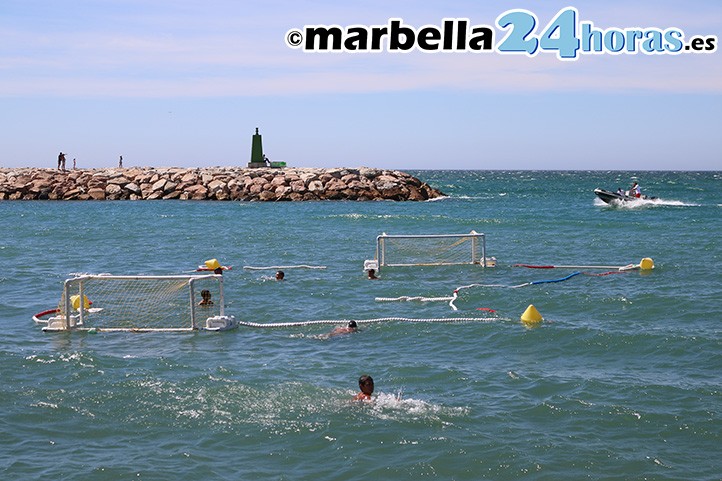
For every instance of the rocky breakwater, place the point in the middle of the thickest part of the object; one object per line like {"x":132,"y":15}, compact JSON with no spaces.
{"x":215,"y":183}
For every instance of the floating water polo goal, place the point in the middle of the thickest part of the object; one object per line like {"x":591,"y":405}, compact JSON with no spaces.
{"x":139,"y":304}
{"x":430,"y":250}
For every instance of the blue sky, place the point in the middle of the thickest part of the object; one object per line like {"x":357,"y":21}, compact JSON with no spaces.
{"x":185,"y":83}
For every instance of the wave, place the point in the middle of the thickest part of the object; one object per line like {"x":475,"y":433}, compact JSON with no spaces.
{"x":358,"y":216}
{"x":475,"y":197}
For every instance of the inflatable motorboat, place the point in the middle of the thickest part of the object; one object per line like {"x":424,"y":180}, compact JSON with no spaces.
{"x":612,"y":197}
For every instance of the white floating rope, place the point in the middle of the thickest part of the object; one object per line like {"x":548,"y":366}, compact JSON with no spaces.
{"x":363,"y":321}
{"x":646,"y":264}
{"x":300,"y":266}
{"x":414,"y":298}
{"x":451,"y":299}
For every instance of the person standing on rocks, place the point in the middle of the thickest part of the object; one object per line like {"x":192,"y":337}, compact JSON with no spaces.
{"x":60,"y":160}
{"x":120,"y":162}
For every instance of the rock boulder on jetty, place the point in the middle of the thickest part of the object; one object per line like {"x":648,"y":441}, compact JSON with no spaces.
{"x":212,"y":183}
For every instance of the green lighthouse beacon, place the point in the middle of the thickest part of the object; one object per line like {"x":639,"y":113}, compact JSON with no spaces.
{"x":257,"y":157}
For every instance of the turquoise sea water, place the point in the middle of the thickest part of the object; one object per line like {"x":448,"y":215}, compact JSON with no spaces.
{"x":623,"y":379}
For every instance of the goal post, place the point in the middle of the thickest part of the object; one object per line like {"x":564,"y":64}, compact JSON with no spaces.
{"x":430,"y":250}
{"x":139,"y":303}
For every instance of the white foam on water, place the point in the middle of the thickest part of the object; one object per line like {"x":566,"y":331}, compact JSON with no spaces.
{"x":394,"y":407}
{"x":644,"y":203}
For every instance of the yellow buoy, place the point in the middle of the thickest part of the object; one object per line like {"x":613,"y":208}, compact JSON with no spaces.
{"x":646,"y":264}
{"x":75,"y":302}
{"x":531,"y":315}
{"x":213,"y":264}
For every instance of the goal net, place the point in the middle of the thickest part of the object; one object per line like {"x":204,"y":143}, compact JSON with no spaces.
{"x":430,"y":250}
{"x":138,"y":303}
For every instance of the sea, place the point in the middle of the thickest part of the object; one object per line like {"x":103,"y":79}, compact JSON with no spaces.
{"x":621,"y":380}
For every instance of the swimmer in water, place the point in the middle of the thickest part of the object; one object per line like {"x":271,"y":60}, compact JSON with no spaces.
{"x":206,"y":295}
{"x":347,"y":329}
{"x":366,"y":384}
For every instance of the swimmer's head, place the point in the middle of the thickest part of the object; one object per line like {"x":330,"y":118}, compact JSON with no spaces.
{"x":352,"y":324}
{"x":366,"y":383}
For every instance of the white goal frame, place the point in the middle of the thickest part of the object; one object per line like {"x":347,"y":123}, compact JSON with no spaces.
{"x":476,"y":254}
{"x":71,"y":317}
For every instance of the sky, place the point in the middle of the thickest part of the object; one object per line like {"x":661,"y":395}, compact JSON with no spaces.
{"x":186,"y":83}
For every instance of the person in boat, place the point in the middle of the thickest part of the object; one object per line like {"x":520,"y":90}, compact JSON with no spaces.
{"x":620,"y":192}
{"x":366,"y":384}
{"x":635,"y":191}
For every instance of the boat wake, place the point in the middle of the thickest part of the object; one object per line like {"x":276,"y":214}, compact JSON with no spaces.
{"x":643,"y":203}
